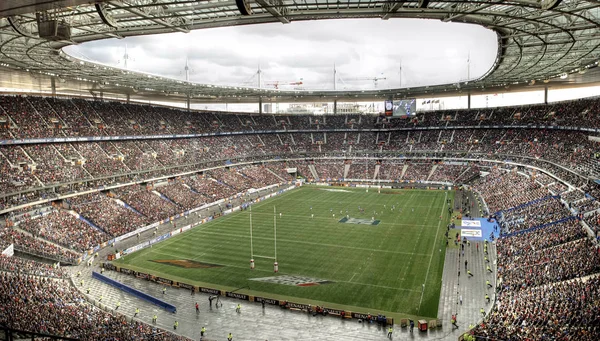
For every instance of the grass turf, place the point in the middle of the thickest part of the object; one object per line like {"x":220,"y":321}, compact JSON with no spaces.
{"x":371,"y":268}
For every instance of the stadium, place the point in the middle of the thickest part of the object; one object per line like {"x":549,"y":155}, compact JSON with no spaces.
{"x":145,"y":204}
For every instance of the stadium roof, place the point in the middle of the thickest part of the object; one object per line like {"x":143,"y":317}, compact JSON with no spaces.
{"x":538,"y":39}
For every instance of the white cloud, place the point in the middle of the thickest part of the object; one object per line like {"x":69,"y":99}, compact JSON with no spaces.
{"x":431,"y":52}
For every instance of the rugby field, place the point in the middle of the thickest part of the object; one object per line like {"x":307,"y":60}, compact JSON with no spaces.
{"x":358,"y":264}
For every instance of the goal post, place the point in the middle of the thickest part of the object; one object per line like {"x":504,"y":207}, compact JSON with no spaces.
{"x":253,"y":255}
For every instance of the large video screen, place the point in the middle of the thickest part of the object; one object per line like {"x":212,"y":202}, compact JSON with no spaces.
{"x":389,"y":108}
{"x":405,"y":108}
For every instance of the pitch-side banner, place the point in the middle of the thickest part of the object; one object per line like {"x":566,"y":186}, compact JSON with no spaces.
{"x":471,"y":223}
{"x":470,"y":233}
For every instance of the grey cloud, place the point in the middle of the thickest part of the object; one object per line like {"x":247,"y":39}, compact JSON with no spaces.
{"x":431,"y":52}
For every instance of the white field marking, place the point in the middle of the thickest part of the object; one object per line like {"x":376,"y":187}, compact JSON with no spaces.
{"x":352,"y":277}
{"x":342,"y":216}
{"x":337,"y":202}
{"x":433,"y":249}
{"x":271,"y":271}
{"x":215,"y":263}
{"x":377,"y":286}
{"x":170,"y":241}
{"x":318,"y":244}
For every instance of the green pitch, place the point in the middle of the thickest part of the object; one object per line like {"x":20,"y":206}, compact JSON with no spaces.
{"x":347,"y":263}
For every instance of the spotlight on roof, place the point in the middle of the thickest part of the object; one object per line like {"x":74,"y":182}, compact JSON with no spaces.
{"x":244,"y":7}
{"x":564,"y":76}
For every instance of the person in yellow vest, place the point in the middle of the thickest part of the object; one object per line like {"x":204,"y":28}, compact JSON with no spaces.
{"x":78,"y":273}
{"x":202,"y":331}
{"x":88,"y":290}
{"x":238,"y":309}
{"x":175,"y":325}
{"x":154,"y":318}
{"x":390,"y":332}
{"x":137,"y":311}
{"x":100,"y":299}
{"x":164,"y":290}
{"x":487,"y":298}
{"x":81,"y":282}
{"x":489,"y":285}
{"x":229,"y":337}
{"x":482,"y":311}
{"x":118,"y":305}
{"x":489,"y":269}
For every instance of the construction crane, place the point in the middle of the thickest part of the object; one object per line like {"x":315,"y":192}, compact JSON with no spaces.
{"x":373,"y":79}
{"x":276,"y":84}
{"x":343,"y":80}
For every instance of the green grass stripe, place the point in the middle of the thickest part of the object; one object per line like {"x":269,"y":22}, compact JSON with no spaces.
{"x":371,"y":268}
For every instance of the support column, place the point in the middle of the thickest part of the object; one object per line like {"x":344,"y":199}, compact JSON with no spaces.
{"x":53,"y":86}
{"x":469,"y":100}
{"x":187,"y":102}
{"x":546,"y":94}
{"x":260,"y":105}
{"x":128,"y":98}
{"x":335,"y":107}
{"x":101,"y":96}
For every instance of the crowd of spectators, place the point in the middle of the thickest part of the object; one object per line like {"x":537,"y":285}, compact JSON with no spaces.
{"x":536,"y":240}
{"x":36,"y":246}
{"x":548,"y":276}
{"x":38,"y":165}
{"x":53,"y":166}
{"x":593,"y":221}
{"x":555,"y":311}
{"x":362,"y":170}
{"x":417,"y":171}
{"x":82,"y":117}
{"x":182,"y":195}
{"x":472,"y":172}
{"x":281,"y":169}
{"x":52,"y":306}
{"x":64,"y":229}
{"x":230,"y":177}
{"x":390,"y":170}
{"x":572,"y":196}
{"x":24,"y":266}
{"x":448,"y":173}
{"x":544,"y":179}
{"x":330,"y":170}
{"x":557,"y":188}
{"x":503,"y":190}
{"x":105,"y":213}
{"x":143,"y":200}
{"x":261,"y":176}
{"x":532,"y":215}
{"x":209,"y":187}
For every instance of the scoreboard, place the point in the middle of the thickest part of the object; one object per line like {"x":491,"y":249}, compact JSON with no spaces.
{"x":401,"y":108}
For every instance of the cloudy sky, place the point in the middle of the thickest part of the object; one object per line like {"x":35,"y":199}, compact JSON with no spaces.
{"x":429,"y":52}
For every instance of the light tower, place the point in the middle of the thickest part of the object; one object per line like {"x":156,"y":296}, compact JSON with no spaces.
{"x":334,"y":76}
{"x":187,"y":70}
{"x":125,"y":57}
